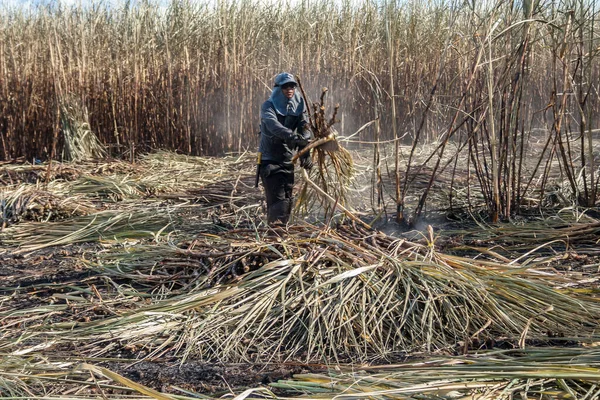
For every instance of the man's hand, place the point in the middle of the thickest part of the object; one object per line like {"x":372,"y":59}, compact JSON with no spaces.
{"x":299,"y":142}
{"x":306,"y":161}
{"x":307,"y":133}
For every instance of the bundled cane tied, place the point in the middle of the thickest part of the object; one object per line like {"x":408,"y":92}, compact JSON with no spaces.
{"x":329,"y":182}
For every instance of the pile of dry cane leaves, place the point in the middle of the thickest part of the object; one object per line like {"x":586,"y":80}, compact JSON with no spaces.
{"x":169,"y":261}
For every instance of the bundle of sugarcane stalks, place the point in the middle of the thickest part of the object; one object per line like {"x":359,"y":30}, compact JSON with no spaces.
{"x":327,"y":184}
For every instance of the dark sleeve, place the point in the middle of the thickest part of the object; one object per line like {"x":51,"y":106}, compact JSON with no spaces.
{"x":270,"y":121}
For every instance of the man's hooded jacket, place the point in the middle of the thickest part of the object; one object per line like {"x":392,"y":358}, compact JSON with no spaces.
{"x":281,"y":118}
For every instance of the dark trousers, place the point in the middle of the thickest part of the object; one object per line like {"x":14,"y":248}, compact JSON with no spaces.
{"x":278,"y":181}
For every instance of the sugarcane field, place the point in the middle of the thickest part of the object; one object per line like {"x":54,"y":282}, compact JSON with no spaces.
{"x":310,"y":199}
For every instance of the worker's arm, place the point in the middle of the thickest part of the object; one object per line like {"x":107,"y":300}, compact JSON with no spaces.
{"x":274,"y":127}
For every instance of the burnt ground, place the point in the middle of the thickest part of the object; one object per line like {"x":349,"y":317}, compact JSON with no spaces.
{"x":209,"y":378}
{"x":44,"y":267}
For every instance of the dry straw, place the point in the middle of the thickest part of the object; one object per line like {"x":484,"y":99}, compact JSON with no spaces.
{"x":309,"y":296}
{"x":192,"y":272}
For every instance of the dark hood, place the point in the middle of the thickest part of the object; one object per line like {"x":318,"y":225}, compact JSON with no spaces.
{"x":285,"y":106}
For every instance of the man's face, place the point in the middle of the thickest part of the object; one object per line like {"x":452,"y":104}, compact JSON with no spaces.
{"x":288,"y":90}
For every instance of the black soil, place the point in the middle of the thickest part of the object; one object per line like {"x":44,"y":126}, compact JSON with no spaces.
{"x":208,"y":378}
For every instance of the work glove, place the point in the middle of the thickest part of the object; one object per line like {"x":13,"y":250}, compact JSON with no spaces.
{"x":299,"y":142}
{"x":306,"y":161}
{"x":307,"y":133}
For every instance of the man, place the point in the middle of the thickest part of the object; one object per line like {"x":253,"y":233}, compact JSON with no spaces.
{"x":283,"y":130}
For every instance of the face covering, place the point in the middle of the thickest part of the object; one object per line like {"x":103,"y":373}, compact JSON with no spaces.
{"x":285,"y":106}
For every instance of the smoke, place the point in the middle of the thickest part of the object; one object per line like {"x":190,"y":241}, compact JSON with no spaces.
{"x":342,"y":92}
